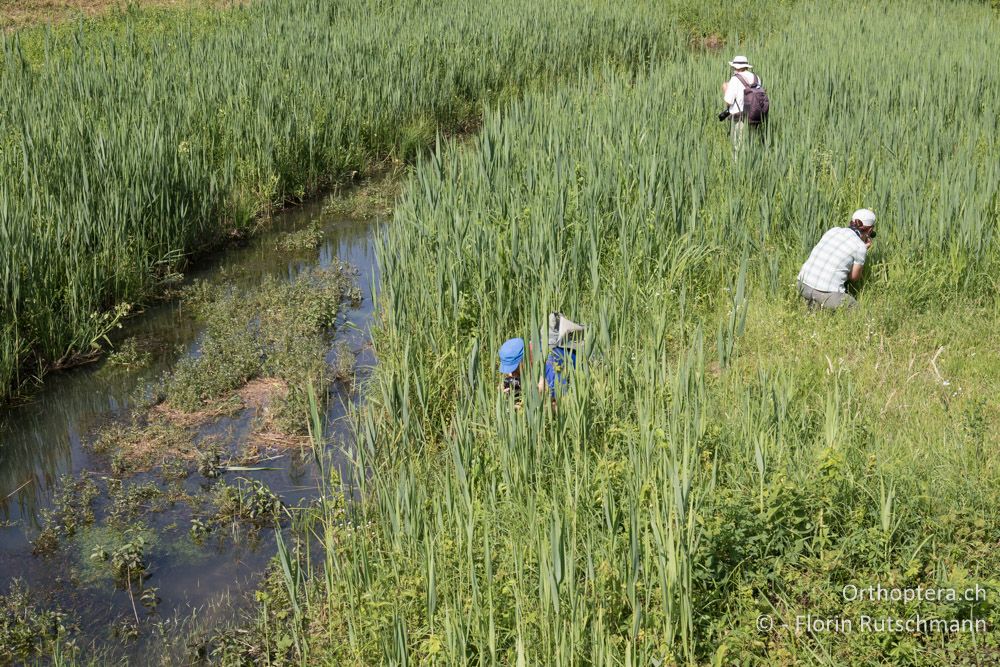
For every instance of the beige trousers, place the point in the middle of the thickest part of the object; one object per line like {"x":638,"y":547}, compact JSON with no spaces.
{"x":737,"y":131}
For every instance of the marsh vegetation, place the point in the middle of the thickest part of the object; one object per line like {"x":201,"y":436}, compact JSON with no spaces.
{"x":723,"y":455}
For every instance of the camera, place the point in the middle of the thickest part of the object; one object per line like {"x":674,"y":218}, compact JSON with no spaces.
{"x":871,"y":234}
{"x":724,"y":115}
{"x":512,"y":385}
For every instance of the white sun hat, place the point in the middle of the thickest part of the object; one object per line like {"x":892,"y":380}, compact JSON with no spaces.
{"x":563,"y":332}
{"x":866,"y":216}
{"x":740,"y":62}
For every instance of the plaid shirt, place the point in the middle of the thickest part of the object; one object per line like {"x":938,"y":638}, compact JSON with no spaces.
{"x":830,"y":262}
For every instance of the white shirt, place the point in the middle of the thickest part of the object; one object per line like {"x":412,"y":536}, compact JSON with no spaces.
{"x":831,"y":261}
{"x":734,"y":90}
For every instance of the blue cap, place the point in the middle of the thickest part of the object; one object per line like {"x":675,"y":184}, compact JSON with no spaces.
{"x":511,"y":353}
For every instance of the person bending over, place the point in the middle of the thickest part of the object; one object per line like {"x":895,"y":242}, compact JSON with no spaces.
{"x":837,"y":259}
{"x":564,"y":336}
{"x":511,"y":355}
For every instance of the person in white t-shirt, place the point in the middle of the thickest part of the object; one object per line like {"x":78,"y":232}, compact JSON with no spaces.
{"x":839,"y":257}
{"x":732,"y":93}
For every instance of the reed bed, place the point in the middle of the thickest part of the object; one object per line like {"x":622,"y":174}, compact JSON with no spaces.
{"x":128,"y":143}
{"x":722,"y":454}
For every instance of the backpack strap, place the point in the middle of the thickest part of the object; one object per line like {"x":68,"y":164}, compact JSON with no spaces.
{"x":748,"y":86}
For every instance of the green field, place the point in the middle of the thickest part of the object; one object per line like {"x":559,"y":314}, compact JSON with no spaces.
{"x":723,"y":456}
{"x":129,"y":142}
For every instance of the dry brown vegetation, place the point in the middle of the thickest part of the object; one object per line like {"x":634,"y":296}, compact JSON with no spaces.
{"x":713,"y":42}
{"x":164,"y":433}
{"x":16,"y":14}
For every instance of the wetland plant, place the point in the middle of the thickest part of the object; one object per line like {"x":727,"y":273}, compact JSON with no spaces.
{"x":129,"y":355}
{"x":127,"y":560}
{"x":721,"y":454}
{"x":72,"y":509}
{"x":308,"y":238}
{"x":28,"y":631}
{"x":248,"y":501}
{"x":245,"y":138}
{"x":276,"y":330}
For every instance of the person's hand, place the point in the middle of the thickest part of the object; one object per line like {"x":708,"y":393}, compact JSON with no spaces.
{"x":868,"y":243}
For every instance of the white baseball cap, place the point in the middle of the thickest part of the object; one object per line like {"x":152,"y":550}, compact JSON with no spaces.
{"x":740,"y":62}
{"x":866,"y":216}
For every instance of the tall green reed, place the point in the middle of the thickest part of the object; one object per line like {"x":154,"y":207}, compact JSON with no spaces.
{"x":125,"y":149}
{"x":614,"y":529}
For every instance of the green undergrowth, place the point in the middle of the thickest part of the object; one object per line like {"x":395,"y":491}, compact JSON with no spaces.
{"x":262,"y":348}
{"x":246,"y":501}
{"x":151,"y":441}
{"x":111,"y":554}
{"x":30,"y":630}
{"x":114,"y":536}
{"x":116,"y":179}
{"x":72,"y":508}
{"x":723,"y":453}
{"x":279,"y":329}
{"x":370,"y":198}
{"x":308,"y":238}
{"x":129,"y":354}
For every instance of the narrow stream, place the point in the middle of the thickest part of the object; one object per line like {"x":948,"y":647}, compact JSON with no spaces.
{"x":44,"y":440}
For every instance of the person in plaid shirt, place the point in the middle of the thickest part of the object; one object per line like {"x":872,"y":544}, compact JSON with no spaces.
{"x":838,"y":257}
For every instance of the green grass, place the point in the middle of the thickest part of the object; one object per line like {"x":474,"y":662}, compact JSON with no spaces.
{"x":129,"y":142}
{"x":723,"y":454}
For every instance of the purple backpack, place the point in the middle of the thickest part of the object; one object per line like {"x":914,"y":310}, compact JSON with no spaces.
{"x":755,"y":102}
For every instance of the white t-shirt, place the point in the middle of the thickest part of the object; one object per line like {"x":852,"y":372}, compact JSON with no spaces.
{"x":734,"y":90}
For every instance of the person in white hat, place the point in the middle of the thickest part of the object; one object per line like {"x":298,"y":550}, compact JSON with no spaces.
{"x":732,"y":93}
{"x":839,"y":257}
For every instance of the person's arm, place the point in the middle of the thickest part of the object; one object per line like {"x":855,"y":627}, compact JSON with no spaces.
{"x":542,"y":391}
{"x":729,"y":93}
{"x":859,"y":264}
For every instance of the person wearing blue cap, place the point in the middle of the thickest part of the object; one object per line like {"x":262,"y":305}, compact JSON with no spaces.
{"x":511,"y":354}
{"x":563,"y":337}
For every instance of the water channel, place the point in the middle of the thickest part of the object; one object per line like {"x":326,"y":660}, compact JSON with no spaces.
{"x":45,"y":440}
